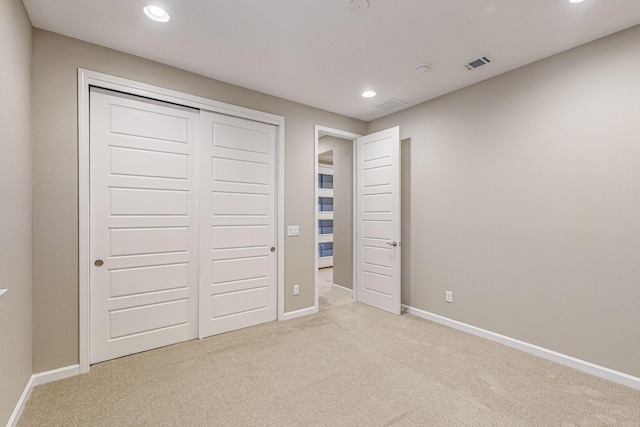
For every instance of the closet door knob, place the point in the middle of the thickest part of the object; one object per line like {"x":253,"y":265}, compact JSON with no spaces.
{"x":394,"y":244}
{"x":98,"y":263}
{"x":273,"y":249}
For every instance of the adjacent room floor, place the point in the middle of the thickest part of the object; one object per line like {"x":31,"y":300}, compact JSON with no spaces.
{"x":348,"y":365}
{"x":329,"y":295}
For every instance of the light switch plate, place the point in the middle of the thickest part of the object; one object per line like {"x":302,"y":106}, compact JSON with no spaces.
{"x":293,"y":230}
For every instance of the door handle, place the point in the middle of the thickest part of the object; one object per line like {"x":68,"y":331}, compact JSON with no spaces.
{"x":273,"y":249}
{"x":394,"y":244}
{"x":98,"y":263}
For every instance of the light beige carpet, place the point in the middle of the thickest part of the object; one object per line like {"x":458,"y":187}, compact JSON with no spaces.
{"x":348,"y":365}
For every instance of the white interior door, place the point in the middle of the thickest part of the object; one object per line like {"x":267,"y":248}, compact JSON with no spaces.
{"x":378,"y":220}
{"x":237,"y":221}
{"x":144,"y":230}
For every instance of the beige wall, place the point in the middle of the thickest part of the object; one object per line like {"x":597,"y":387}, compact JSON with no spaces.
{"x":15,"y":204}
{"x":55,"y":62}
{"x":343,"y":207}
{"x":523,"y":196}
{"x":525,"y":202}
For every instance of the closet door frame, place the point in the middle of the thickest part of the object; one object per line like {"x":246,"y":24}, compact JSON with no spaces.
{"x":87,"y":79}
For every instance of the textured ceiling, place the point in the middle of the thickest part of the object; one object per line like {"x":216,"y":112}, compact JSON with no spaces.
{"x":318,"y":53}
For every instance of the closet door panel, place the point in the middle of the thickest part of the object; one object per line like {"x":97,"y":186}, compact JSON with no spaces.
{"x":237,"y":222}
{"x":144,"y":224}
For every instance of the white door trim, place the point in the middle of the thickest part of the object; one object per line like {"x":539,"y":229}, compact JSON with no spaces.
{"x":86,"y":79}
{"x":348,"y":136}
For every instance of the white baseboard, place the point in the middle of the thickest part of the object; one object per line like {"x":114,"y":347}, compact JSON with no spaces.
{"x":554,"y":356}
{"x":343,"y":289}
{"x":55,"y":375}
{"x":39,"y":379}
{"x":299,"y":313}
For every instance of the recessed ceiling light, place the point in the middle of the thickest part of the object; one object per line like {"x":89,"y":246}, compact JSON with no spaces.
{"x":368,"y":94}
{"x":156,"y":13}
{"x":576,"y":1}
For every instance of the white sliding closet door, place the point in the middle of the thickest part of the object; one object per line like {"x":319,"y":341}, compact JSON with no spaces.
{"x":237,"y":223}
{"x":144,"y":230}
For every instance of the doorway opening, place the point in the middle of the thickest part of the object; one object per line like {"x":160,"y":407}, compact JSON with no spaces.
{"x":334,"y":217}
{"x":375,"y":216}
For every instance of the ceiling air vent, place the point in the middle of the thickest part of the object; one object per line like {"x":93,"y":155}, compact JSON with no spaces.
{"x":477,"y":63}
{"x":392,"y":105}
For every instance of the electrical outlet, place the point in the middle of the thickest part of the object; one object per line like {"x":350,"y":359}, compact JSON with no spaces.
{"x":448,"y":296}
{"x":296,"y":289}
